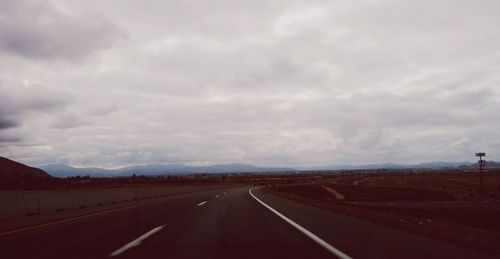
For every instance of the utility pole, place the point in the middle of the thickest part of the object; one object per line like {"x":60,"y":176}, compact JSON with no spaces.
{"x":481,"y":165}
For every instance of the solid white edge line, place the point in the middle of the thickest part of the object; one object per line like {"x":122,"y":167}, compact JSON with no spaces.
{"x":137,"y":241}
{"x":201,"y":203}
{"x":306,"y":232}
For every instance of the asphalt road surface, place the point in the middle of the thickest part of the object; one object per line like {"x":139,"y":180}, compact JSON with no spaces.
{"x":224,"y":223}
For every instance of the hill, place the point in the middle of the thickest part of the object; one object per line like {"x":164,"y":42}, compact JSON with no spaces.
{"x":14,"y":174}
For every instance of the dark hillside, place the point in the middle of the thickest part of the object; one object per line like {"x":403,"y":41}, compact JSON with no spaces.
{"x":14,"y":174}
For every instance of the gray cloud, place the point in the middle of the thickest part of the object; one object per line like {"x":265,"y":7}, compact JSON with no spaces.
{"x":21,"y":104}
{"x":6,"y":123}
{"x":39,"y":30}
{"x":6,"y":139}
{"x":267,"y":82}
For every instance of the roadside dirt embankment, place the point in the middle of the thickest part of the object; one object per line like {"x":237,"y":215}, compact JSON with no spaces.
{"x":449,"y":214}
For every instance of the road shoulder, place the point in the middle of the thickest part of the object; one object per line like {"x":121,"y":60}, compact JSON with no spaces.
{"x":361,"y":238}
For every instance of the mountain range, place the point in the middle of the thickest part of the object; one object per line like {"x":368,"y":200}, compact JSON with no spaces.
{"x":62,"y":170}
{"x":17,"y":175}
{"x":426,"y":165}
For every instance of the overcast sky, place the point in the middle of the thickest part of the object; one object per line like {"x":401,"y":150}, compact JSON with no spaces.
{"x":114,"y":83}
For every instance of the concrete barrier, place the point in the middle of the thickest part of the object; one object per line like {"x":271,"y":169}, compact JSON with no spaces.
{"x":17,"y":204}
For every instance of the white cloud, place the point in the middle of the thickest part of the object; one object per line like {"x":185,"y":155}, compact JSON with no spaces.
{"x":264,"y":82}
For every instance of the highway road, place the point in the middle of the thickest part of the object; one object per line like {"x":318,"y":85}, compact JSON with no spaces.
{"x":224,"y":223}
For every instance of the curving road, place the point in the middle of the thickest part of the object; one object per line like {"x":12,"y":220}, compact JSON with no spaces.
{"x":227,"y":223}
